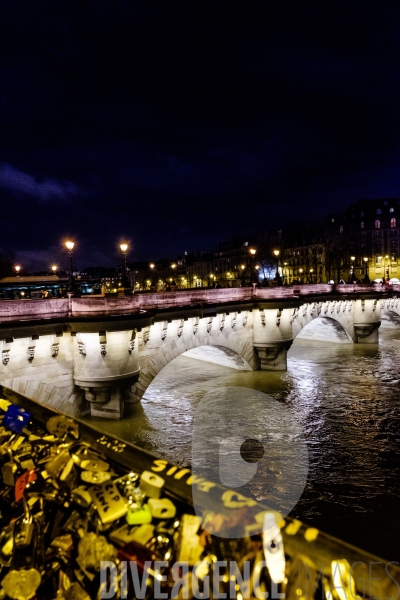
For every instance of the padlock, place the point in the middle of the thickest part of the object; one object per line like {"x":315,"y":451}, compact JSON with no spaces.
{"x":151,"y":484}
{"x":6,"y":545}
{"x":10,"y":470}
{"x":162,"y":509}
{"x":94,"y":548}
{"x":56,"y":465}
{"x":95,"y":477}
{"x":28,"y":552}
{"x":139,"y":516}
{"x":190,"y":548}
{"x":81,"y":496}
{"x":94,"y":465}
{"x":127,"y":533}
{"x":61,"y":426}
{"x":23,"y":527}
{"x":23,"y":482}
{"x":65,"y":543}
{"x":23,"y":583}
{"x":108,"y":501}
{"x":4,"y":404}
{"x":16,"y":418}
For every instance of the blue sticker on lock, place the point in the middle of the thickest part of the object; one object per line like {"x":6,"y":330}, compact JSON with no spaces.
{"x":16,"y":418}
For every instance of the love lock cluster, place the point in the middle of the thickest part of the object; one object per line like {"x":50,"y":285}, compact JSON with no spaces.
{"x":66,"y":509}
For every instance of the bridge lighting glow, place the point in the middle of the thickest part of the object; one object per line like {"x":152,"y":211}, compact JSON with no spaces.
{"x":70,"y":245}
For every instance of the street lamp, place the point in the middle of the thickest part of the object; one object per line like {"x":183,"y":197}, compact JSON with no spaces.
{"x":352,"y":276}
{"x":386,"y":270}
{"x":71,"y":287}
{"x":70,"y":246}
{"x":277,"y":276}
{"x":173,"y":267}
{"x":17,"y":269}
{"x":54,"y":269}
{"x":366,"y":278}
{"x":252,"y":251}
{"x":124,"y":250}
{"x":152,"y":266}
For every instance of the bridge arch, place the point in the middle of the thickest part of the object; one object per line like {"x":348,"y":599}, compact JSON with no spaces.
{"x":390,"y":308}
{"x":324,"y":329}
{"x":236,"y":339}
{"x":338,"y":315}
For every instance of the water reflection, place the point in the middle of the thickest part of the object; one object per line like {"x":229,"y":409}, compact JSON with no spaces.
{"x":346,"y":399}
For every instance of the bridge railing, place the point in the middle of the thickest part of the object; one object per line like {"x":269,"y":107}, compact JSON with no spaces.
{"x":11,"y":310}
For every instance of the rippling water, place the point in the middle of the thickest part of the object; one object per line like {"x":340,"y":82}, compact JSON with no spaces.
{"x":346,"y":399}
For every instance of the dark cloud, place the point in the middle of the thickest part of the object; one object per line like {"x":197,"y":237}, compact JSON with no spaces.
{"x":14,"y":180}
{"x":176,"y":125}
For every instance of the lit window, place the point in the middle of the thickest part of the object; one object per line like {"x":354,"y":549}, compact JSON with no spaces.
{"x":377,"y":224}
{"x":378,"y":212}
{"x":341,"y":229}
{"x":362,"y":224}
{"x":393,"y":222}
{"x":333,"y":220}
{"x":378,"y":260}
{"x":391,"y":209}
{"x":393,"y":243}
{"x":393,"y":257}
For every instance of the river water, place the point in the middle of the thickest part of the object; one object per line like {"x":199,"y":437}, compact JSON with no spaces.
{"x":346,"y":399}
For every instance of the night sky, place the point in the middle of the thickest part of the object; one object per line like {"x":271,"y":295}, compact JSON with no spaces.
{"x":176,"y":125}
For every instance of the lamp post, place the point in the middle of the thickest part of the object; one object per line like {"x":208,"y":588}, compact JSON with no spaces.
{"x":311,"y":275}
{"x":124,"y":250}
{"x":277,"y":276}
{"x":17,"y":269}
{"x":301,"y":271}
{"x":54,"y":269}
{"x":243,"y":267}
{"x":71,"y":286}
{"x":70,"y":246}
{"x":386,"y":269}
{"x":254,"y":276}
{"x":152,"y":267}
{"x":366,"y":278}
{"x":173,"y":267}
{"x":352,"y":276}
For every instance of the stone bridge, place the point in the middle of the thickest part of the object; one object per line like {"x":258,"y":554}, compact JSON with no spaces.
{"x":108,"y":351}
